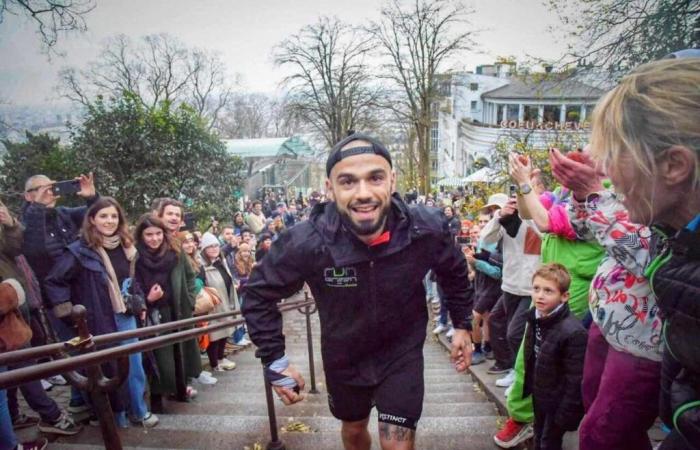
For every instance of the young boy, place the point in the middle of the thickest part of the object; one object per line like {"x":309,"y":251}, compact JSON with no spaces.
{"x":555,"y":345}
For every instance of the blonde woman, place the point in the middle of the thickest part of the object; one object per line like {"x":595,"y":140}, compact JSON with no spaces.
{"x":646,"y":138}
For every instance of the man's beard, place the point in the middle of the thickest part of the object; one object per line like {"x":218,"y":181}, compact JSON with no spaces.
{"x":365,"y":228}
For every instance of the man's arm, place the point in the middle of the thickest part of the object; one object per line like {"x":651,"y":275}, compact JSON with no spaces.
{"x":492,"y":231}
{"x":277,"y":276}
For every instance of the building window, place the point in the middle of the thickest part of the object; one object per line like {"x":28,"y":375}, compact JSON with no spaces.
{"x":512,"y":112}
{"x":573,"y":113}
{"x":434,"y":111}
{"x":532,"y":112}
{"x":589,"y":111}
{"x":434,"y":137}
{"x":552,"y":113}
{"x":474,"y":105}
{"x":433,"y":165}
{"x":473,"y":86}
{"x":499,"y":113}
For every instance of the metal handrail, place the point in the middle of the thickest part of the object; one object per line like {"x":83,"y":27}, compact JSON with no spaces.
{"x":56,"y":349}
{"x":91,"y":359}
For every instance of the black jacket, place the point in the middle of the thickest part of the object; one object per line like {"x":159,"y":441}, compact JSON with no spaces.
{"x":371,"y":300}
{"x":675,"y":278}
{"x":47,"y":233}
{"x":554,"y":376}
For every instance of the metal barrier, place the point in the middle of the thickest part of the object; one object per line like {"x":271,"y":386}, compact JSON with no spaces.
{"x":98,"y":385}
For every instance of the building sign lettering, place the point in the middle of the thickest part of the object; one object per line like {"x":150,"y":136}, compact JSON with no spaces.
{"x":534,"y":125}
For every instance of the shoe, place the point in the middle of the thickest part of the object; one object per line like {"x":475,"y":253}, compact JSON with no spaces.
{"x":243,"y":342}
{"x":478,"y":358}
{"x":206,"y":372}
{"x":509,"y":389}
{"x":24,"y":421}
{"x":77,"y":408}
{"x":513,"y":433}
{"x":450,"y":333}
{"x":150,"y":420}
{"x":440,"y":328}
{"x":39,"y":444}
{"x":219,"y":369}
{"x":46,"y":385}
{"x":435,"y":301}
{"x":57,"y":380}
{"x":226,"y":364}
{"x":64,"y":425}
{"x":203,"y":378}
{"x":507,"y":380}
{"x":496,"y":369}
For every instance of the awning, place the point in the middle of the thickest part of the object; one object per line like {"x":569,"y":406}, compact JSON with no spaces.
{"x":483,"y":175}
{"x":451,"y":181}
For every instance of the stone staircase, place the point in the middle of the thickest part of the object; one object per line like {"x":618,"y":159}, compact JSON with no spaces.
{"x":232,"y":414}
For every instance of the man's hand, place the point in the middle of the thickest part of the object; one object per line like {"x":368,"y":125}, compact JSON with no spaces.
{"x":582,"y":178}
{"x":461,"y":354}
{"x":509,"y":208}
{"x":288,"y":396}
{"x":87,"y":186}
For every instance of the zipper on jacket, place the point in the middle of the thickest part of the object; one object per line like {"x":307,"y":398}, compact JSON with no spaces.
{"x":373,"y":303}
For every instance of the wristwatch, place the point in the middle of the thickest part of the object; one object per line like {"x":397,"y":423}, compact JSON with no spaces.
{"x":524,"y":189}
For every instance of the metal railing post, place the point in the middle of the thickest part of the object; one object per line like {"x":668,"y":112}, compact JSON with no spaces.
{"x":312,"y":368}
{"x":275,"y":443}
{"x":96,"y":384}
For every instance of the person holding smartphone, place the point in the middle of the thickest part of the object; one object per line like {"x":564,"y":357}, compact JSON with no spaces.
{"x":48,"y":230}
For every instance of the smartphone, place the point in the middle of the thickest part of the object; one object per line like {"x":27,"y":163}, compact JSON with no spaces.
{"x":67,"y":187}
{"x":464,"y":240}
{"x":513,"y":190}
{"x":190,"y":221}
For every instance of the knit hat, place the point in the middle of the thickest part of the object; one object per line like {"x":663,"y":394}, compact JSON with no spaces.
{"x":207,"y":240}
{"x":337,"y":152}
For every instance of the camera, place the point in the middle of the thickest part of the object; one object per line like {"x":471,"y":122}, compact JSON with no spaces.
{"x":513,"y":190}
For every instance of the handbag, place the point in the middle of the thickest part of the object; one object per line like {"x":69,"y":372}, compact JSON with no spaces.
{"x":206,"y":301}
{"x":134,"y":303}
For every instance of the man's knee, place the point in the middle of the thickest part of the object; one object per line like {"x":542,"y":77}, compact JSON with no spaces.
{"x":354,"y":428}
{"x":395,"y":437}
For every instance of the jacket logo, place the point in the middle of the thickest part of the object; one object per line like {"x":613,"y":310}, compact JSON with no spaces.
{"x":340,"y":277}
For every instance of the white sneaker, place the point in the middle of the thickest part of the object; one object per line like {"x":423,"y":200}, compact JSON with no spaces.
{"x":435,"y":301}
{"x":450,"y":332}
{"x":46,"y":385}
{"x":440,"y":328}
{"x":243,"y":342}
{"x":57,"y":380}
{"x":206,"y":372}
{"x":507,"y":380}
{"x":203,"y":378}
{"x":226,"y":364}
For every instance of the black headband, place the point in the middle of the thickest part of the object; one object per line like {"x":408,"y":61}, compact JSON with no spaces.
{"x":337,"y":152}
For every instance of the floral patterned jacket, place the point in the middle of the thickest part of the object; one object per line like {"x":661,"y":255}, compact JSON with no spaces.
{"x":621,"y":300}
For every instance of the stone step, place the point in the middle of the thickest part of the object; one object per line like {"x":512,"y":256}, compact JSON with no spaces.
{"x":237,"y":432}
{"x":257,"y":407}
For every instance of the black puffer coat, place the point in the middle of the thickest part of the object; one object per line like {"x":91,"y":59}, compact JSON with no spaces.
{"x":554,"y":376}
{"x":371,"y":300}
{"x":675,"y":278}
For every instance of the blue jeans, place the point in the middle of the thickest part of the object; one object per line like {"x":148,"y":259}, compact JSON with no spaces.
{"x":137,"y":377}
{"x":8,"y":440}
{"x":443,"y":307}
{"x":429,"y":286}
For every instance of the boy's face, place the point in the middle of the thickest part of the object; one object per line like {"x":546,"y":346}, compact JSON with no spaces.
{"x":546,"y":295}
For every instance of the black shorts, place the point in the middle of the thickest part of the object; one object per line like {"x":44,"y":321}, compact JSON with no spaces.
{"x":398,"y":397}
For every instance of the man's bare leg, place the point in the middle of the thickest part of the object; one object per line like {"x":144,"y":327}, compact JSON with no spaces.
{"x":394,"y":437}
{"x":355,"y":435}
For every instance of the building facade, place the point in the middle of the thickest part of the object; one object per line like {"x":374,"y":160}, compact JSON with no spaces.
{"x":478,"y":110}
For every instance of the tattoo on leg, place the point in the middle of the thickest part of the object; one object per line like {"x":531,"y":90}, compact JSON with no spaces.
{"x":392,"y":432}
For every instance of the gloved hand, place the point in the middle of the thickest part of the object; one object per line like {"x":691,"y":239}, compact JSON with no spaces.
{"x":285,"y":380}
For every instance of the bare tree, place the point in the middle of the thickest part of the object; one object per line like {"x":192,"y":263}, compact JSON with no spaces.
{"x":158,"y":68}
{"x":418,"y":40}
{"x":330,"y":85}
{"x":50,"y":16}
{"x":617,"y":35}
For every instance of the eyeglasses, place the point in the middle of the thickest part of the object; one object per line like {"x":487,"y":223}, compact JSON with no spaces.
{"x":39,"y":187}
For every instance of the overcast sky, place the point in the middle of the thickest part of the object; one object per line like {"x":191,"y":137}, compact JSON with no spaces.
{"x":244,"y":32}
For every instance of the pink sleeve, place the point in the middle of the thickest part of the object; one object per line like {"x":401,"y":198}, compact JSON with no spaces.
{"x":559,"y":222}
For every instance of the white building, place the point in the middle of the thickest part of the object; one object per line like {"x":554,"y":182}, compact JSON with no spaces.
{"x":479,"y":109}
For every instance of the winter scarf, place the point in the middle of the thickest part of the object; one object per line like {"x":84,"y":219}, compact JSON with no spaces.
{"x":115,"y":293}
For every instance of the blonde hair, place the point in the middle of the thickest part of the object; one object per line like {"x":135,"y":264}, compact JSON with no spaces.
{"x":555,"y":273}
{"x":653,"y":108}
